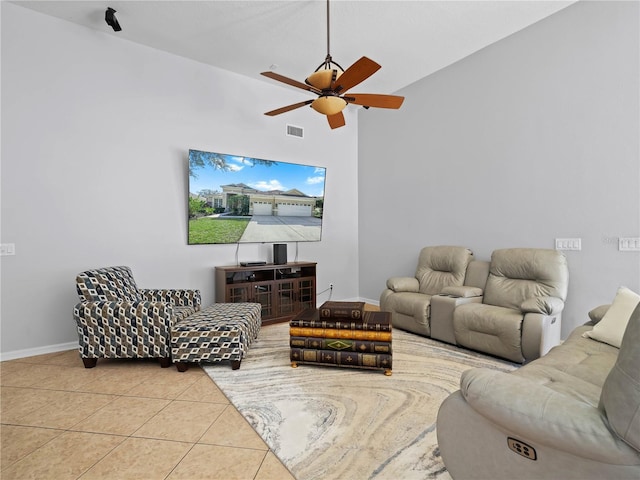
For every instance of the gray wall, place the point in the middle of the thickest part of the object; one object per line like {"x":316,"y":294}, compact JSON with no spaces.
{"x":533,"y":138}
{"x":530,"y":139}
{"x":95,"y":138}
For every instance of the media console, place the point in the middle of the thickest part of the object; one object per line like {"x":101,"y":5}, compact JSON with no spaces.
{"x":282,"y":290}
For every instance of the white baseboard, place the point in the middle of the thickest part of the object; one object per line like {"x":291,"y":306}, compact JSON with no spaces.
{"x":357,"y":299}
{"x":30,"y":352}
{"x":370,"y":301}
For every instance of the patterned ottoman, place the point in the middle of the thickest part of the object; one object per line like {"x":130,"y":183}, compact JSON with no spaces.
{"x":222,"y":331}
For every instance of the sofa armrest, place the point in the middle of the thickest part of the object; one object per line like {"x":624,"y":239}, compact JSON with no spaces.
{"x":124,"y":312}
{"x":543,"y":305}
{"x":462,"y":291}
{"x":540,"y":333}
{"x":403,"y":284}
{"x":541,"y":329}
{"x":179,"y":297}
{"x":541,"y":415}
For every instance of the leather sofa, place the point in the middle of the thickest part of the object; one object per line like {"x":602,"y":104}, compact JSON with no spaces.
{"x":509,"y":307}
{"x":572,"y":414}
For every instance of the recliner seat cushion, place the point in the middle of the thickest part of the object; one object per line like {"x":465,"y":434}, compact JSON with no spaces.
{"x":579,"y":357}
{"x":416,"y":305}
{"x":489,"y":328}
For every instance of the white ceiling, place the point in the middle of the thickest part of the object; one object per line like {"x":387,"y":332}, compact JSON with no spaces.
{"x":410,"y":39}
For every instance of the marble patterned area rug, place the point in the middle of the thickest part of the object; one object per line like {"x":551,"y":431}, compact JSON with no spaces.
{"x":327,"y":422}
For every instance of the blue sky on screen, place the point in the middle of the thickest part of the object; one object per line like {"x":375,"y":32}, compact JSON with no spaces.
{"x":279,"y":176}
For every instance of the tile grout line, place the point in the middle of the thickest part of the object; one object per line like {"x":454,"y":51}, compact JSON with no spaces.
{"x":76,"y":385}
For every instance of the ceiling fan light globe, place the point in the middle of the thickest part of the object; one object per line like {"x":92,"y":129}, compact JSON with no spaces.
{"x":322,"y":79}
{"x":328,"y":105}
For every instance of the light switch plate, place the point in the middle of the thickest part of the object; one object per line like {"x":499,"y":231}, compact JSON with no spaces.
{"x":568,"y":244}
{"x":7,"y":249}
{"x":629,"y":244}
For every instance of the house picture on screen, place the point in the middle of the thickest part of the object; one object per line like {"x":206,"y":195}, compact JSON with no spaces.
{"x":238,"y":199}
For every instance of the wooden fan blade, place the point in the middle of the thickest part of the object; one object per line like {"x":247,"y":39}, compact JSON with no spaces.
{"x":374,"y":100}
{"x":291,"y":81}
{"x":336,"y":120}
{"x":278,"y":111}
{"x":356,"y":73}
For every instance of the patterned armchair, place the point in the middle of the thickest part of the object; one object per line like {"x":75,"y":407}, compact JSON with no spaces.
{"x":116,"y":319}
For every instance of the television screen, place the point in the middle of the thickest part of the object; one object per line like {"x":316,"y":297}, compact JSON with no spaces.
{"x":236,"y":199}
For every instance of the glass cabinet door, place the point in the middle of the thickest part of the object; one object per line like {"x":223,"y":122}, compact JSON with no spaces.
{"x":263,"y":294}
{"x":282,"y":290}
{"x":286,"y":297}
{"x":306,"y":293}
{"x":239,"y":293}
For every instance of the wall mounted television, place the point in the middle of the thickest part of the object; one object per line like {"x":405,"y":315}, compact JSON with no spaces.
{"x":237,"y":199}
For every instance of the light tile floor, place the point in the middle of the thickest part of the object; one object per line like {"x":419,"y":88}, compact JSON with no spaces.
{"x":123,"y":419}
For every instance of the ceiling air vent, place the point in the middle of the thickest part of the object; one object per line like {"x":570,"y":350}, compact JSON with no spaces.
{"x":293,"y":131}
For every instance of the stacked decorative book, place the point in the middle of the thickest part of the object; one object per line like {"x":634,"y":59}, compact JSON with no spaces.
{"x":342,"y":334}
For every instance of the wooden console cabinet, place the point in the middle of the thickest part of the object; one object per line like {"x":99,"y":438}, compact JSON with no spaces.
{"x":282,"y":290}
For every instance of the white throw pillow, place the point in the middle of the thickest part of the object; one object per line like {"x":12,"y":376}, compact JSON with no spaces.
{"x":612,"y":326}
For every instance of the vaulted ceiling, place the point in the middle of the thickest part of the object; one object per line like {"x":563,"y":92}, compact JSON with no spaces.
{"x":410,"y":39}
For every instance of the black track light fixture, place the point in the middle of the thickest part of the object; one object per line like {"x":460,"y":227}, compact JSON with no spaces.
{"x":112,"y":21}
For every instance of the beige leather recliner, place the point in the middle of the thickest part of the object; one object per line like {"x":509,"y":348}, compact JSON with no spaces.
{"x":572,"y":414}
{"x":520,"y":312}
{"x":409,"y":298}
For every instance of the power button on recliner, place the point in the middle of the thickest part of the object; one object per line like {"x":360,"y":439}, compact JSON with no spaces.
{"x":522,"y":448}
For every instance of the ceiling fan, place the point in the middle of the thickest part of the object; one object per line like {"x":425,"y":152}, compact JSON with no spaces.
{"x":331,"y":82}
